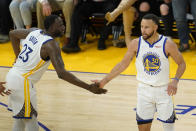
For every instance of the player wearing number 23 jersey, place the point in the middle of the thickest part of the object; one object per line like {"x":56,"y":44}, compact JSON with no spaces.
{"x":39,"y":49}
{"x":27,"y":70}
{"x":29,"y":63}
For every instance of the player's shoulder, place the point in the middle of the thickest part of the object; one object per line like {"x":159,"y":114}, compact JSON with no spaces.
{"x":134,"y":42}
{"x":45,"y":38}
{"x":170,"y":42}
{"x":170,"y":45}
{"x":50,"y":41}
{"x":32,"y":30}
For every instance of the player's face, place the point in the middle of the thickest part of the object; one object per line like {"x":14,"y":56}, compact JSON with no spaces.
{"x":59,"y":27}
{"x":148,"y":28}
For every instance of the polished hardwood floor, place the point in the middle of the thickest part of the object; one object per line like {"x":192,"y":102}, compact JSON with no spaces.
{"x":64,"y":107}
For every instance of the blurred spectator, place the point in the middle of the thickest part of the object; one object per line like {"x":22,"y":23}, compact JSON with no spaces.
{"x":21,"y":12}
{"x":136,"y":12}
{"x":46,"y":7}
{"x":144,"y":7}
{"x":180,"y":11}
{"x":167,"y":17}
{"x":5,"y":20}
{"x":81,"y":13}
{"x":128,"y":11}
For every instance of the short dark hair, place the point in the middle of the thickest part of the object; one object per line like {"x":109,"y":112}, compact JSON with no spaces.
{"x":152,"y":17}
{"x":49,"y":20}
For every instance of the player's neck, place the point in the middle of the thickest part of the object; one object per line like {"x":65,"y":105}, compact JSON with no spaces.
{"x":154,"y":38}
{"x":48,"y":33}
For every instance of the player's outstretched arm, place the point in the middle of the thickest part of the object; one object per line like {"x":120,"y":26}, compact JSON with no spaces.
{"x":16,"y":36}
{"x":121,"y":66}
{"x":53,"y":51}
{"x":172,"y":50}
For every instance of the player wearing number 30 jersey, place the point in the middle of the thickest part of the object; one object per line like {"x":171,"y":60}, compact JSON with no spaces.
{"x":154,"y":88}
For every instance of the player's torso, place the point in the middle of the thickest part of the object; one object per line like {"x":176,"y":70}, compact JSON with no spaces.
{"x":152,"y":63}
{"x":29,"y":62}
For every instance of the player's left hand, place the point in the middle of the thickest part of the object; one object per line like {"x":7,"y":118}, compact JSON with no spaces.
{"x":172,"y":88}
{"x":2,"y":90}
{"x":94,"y":88}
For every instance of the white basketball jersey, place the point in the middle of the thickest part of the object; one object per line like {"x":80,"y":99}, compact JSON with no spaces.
{"x":152,"y":62}
{"x":29,"y":62}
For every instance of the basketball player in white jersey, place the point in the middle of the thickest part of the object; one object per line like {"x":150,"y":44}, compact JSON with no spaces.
{"x":38,"y":49}
{"x":155,"y":91}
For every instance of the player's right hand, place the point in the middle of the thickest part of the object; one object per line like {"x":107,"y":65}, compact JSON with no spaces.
{"x":2,"y":90}
{"x":94,"y":88}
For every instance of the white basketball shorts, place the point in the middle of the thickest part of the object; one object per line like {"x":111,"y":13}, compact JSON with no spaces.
{"x":154,"y":99}
{"x":22,"y":100}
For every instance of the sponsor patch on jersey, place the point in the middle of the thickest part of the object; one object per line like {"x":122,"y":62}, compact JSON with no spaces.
{"x":152,"y":63}
{"x":157,"y":46}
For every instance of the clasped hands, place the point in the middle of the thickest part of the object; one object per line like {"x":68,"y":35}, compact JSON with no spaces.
{"x":97,"y":87}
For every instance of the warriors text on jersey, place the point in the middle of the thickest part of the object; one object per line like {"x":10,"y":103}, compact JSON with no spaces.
{"x":152,"y":62}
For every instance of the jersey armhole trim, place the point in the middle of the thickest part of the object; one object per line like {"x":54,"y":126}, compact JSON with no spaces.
{"x":138,"y":48}
{"x":46,"y":41}
{"x":164,"y":43}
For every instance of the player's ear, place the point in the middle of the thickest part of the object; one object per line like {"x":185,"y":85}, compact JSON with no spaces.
{"x":156,"y":27}
{"x":52,"y":27}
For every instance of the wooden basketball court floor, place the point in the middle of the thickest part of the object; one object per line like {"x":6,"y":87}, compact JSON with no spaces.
{"x":64,"y":107}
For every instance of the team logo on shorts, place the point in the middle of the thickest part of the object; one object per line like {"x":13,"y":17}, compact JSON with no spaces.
{"x":151,"y":63}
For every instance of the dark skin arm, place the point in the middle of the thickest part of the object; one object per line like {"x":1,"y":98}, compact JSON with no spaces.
{"x":52,"y":50}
